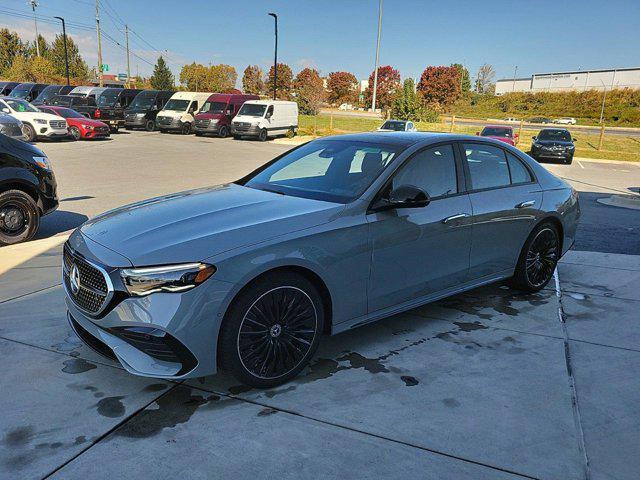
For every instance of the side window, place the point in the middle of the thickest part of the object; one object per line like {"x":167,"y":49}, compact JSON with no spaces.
{"x":269,"y":111}
{"x":487,"y":166}
{"x":519,"y":173}
{"x":193,"y":107}
{"x":433,"y":170}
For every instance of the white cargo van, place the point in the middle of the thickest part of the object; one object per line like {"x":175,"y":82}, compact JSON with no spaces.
{"x":177,"y":114}
{"x":84,"y":91}
{"x":265,"y":118}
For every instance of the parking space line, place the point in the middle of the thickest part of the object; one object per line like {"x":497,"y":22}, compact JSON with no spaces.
{"x":580,"y":163}
{"x":30,"y":293}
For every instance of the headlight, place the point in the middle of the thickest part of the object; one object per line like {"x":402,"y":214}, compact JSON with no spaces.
{"x":42,"y":162}
{"x":139,"y":115}
{"x":87,"y":127}
{"x":40,"y":121}
{"x":170,"y":278}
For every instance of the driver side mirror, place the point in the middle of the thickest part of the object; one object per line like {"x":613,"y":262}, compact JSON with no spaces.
{"x":534,"y":138}
{"x":405,"y":196}
{"x":268,"y":115}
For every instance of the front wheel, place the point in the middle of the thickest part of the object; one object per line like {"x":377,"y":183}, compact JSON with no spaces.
{"x":223,"y":132}
{"x":186,"y":128}
{"x":271,"y":330}
{"x":262,"y":136}
{"x":150,"y":126}
{"x":568,"y":160}
{"x":538,"y":259}
{"x":29,"y":133}
{"x":19,"y":217}
{"x":75,"y":133}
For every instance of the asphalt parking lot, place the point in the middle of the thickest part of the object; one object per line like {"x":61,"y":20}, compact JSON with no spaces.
{"x":489,"y":384}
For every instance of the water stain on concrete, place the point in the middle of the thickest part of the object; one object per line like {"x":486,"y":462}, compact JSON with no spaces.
{"x":111,"y":407}
{"x":238,"y":389}
{"x":371,"y":365}
{"x":451,"y":402}
{"x":155,"y":387}
{"x":80,"y":440}
{"x":409,"y":381}
{"x":77,"y":365}
{"x":19,"y":436}
{"x":279,"y":391}
{"x":266,"y":412}
{"x":470,"y":326}
{"x":68,"y":345}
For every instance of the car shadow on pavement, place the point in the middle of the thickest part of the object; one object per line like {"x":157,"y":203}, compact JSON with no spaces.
{"x":59,"y":221}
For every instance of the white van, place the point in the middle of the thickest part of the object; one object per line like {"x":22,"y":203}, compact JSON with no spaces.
{"x":85,"y":91}
{"x":265,"y":118}
{"x":177,"y":114}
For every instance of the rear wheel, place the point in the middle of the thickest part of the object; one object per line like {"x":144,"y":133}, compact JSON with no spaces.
{"x":19,"y":217}
{"x":75,"y":133}
{"x":262,"y":136}
{"x":538,"y":259}
{"x":150,"y":126}
{"x":223,"y":132}
{"x":271,"y":330}
{"x":291,"y":132}
{"x":29,"y":132}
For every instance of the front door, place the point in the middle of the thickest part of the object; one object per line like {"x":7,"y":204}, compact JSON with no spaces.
{"x":421,"y":251}
{"x":506,"y":202}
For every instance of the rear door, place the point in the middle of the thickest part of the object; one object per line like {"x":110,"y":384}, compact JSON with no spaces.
{"x":506,"y":201}
{"x":421,"y":251}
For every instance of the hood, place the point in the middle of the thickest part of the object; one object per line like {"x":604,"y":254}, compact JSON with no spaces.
{"x":31,"y":115}
{"x":554,"y":143}
{"x":7,"y":119}
{"x":87,"y":121}
{"x":197,"y":224}
{"x":209,"y":116}
{"x":171,"y":113}
{"x":21,"y":147}
{"x":246,"y":118}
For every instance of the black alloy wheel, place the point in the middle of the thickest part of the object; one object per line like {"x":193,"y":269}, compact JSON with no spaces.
{"x":538,"y":259}
{"x":272,"y":330}
{"x":223,"y":132}
{"x":19,"y":217}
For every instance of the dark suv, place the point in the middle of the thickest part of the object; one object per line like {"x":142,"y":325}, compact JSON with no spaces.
{"x":27,"y":190}
{"x":553,"y":144}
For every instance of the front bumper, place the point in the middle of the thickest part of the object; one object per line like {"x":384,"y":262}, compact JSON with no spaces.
{"x":170,"y":124}
{"x":206,"y":126}
{"x":243,"y":130}
{"x":135,"y":121}
{"x":113,"y":122}
{"x":163,"y":335}
{"x":557,"y":154}
{"x":48,"y":132}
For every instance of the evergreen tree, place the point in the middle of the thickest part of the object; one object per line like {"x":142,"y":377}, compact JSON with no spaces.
{"x":465,"y":79}
{"x":10,"y":47}
{"x":162,"y":78}
{"x":77,"y":66}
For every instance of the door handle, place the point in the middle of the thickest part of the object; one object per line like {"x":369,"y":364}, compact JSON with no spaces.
{"x":455,"y":217}
{"x":526,"y":204}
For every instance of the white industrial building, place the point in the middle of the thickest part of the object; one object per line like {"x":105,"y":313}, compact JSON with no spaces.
{"x":572,"y":81}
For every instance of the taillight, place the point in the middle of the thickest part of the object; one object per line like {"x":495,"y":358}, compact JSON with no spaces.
{"x":98,"y":113}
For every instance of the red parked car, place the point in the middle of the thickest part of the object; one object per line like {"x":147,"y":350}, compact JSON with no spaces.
{"x":500,"y":132}
{"x":80,"y":127}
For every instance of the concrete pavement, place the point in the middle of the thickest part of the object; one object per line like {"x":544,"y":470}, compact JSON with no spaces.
{"x":489,"y":384}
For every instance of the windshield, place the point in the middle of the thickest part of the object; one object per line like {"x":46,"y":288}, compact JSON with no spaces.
{"x":48,"y":92}
{"x":108,"y":98}
{"x":559,"y":135}
{"x":21,"y":91}
{"x":60,"y":100}
{"x":177,"y":105}
{"x":143,"y":101}
{"x":252,"y":110}
{"x":496,"y":132}
{"x":330,"y":170}
{"x":213,"y":107}
{"x":68,"y":113}
{"x":391,"y":125}
{"x":20,"y":105}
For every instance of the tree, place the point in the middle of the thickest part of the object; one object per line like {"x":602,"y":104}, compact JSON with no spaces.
{"x":10,"y":47}
{"x":343,"y":88}
{"x":162,"y":78}
{"x":221,"y":78}
{"x":407,"y":105}
{"x":388,"y":87}
{"x":34,"y":69}
{"x":465,"y":79}
{"x":309,"y":90}
{"x":439,"y":86}
{"x":77,"y":66}
{"x":194,"y":77}
{"x":31,"y":50}
{"x":485,"y":80}
{"x":252,"y":82}
{"x":283,"y":84}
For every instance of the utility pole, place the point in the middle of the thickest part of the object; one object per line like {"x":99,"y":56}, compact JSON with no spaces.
{"x":99,"y":43}
{"x":66,"y":56}
{"x":34,"y":4}
{"x":375,"y":72}
{"x":515,"y":74}
{"x":126,"y":34}
{"x":275,"y":60}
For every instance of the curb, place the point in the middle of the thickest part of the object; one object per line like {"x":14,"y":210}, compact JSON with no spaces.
{"x":622,"y":201}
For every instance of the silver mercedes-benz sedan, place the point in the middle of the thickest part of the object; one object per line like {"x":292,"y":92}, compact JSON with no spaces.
{"x":329,"y":236}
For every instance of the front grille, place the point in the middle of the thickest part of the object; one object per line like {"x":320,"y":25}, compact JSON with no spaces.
{"x":57,"y":124}
{"x":242,"y":126}
{"x":165,"y":120}
{"x":102,"y":130}
{"x":202,"y":123}
{"x":93,"y":291}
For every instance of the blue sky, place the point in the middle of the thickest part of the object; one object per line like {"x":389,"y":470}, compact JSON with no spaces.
{"x":538,"y":36}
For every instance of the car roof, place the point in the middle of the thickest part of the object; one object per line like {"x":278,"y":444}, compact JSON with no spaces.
{"x":406,"y":139}
{"x":555,"y":129}
{"x":499,"y":126}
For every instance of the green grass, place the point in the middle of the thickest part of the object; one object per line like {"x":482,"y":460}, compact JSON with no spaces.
{"x":614,"y":147}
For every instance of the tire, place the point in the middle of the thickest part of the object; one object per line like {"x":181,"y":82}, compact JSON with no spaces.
{"x":128,"y":128}
{"x":163,"y":131}
{"x":262,"y":136}
{"x":223,"y":132}
{"x":29,"y":133}
{"x":19,"y":217}
{"x":186,"y":129}
{"x":150,"y":126}
{"x":75,"y":133}
{"x":538,"y":259}
{"x":198,"y":134}
{"x":291,"y":133}
{"x":270,"y":356}
{"x":568,"y":160}
{"x":237,"y":137}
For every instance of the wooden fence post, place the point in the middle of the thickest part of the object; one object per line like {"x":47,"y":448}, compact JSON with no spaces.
{"x":453,"y":121}
{"x":520,"y":131}
{"x":601,"y":136}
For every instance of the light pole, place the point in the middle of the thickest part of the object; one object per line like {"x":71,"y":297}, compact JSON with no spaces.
{"x":275,"y":60}
{"x":34,"y":4}
{"x":375,"y":72}
{"x":515,"y":74}
{"x":66,"y":56}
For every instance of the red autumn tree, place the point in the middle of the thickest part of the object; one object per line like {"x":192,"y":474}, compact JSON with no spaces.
{"x":388,"y":87}
{"x":309,"y":90}
{"x":440,"y":86}
{"x":343,"y":87}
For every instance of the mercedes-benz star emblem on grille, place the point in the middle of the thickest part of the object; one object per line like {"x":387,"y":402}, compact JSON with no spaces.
{"x":74,"y":279}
